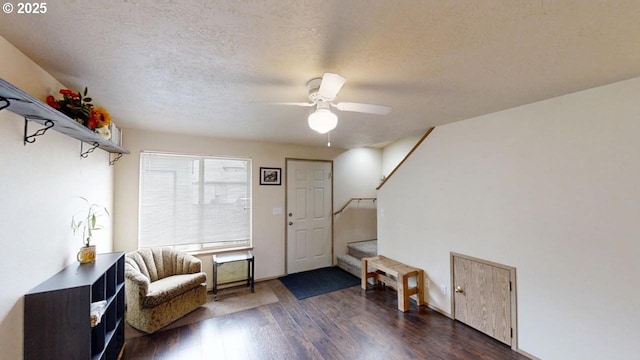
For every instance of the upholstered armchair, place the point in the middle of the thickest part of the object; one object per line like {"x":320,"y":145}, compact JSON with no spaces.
{"x":161,"y":286}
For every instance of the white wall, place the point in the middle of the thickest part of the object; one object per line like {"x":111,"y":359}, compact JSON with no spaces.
{"x":393,"y":153}
{"x":357,"y":174}
{"x":40,"y":184}
{"x":268,"y":229}
{"x":550,"y":188}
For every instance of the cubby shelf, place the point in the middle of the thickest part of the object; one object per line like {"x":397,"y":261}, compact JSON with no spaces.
{"x":32,"y":109}
{"x":57,"y":313}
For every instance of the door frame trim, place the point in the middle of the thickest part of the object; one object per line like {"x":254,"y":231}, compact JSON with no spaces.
{"x":286,"y":206}
{"x":514,"y":287}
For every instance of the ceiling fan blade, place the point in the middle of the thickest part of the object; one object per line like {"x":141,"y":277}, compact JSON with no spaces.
{"x":364,"y":108}
{"x":293,"y":103}
{"x":330,"y":86}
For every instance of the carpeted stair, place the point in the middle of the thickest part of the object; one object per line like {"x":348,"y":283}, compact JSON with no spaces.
{"x":351,"y":261}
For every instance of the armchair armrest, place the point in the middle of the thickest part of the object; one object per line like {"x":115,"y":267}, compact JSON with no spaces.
{"x":193,"y":264}
{"x":188,"y":264}
{"x":137,"y":279}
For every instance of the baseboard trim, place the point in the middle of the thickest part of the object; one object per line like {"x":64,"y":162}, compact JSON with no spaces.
{"x":524,"y":353}
{"x":438,"y":310}
{"x":414,"y":300}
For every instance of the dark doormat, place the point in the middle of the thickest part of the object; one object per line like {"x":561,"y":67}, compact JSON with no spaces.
{"x":319,"y":281}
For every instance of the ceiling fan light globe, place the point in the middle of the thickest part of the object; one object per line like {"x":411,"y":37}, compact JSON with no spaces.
{"x":323,"y":121}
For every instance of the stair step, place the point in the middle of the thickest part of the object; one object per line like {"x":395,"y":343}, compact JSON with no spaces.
{"x":350,"y":264}
{"x":362,"y":249}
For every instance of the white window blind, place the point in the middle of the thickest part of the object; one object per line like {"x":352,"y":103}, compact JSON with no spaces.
{"x":194,"y":202}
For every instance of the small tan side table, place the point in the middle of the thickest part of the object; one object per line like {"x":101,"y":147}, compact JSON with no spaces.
{"x":395,"y":275}
{"x":219,"y":260}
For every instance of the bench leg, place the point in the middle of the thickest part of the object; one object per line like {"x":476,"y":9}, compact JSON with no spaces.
{"x":403,"y":294}
{"x":363,"y":274}
{"x":420,"y":284}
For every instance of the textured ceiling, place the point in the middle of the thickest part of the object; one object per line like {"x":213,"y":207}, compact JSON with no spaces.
{"x":209,"y":67}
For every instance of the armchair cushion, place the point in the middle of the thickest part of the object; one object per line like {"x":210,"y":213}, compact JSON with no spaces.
{"x":167,"y":288}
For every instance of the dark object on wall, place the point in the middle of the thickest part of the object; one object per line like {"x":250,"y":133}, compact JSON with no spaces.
{"x":270,"y":176}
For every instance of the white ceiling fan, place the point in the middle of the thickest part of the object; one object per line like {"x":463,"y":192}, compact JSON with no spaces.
{"x":322,"y":93}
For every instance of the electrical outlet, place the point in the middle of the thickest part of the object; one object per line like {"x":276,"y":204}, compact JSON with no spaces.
{"x":443,"y":289}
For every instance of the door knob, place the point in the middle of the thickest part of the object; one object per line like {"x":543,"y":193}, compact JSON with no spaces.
{"x":290,"y":214}
{"x":290,"y":223}
{"x":459,"y":289}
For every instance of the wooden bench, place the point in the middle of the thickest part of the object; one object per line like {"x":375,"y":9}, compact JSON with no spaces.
{"x":395,"y":275}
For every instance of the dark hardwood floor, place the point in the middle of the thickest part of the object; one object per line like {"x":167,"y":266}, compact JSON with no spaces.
{"x":346,"y":324}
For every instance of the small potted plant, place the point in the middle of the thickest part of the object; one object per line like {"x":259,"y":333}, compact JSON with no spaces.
{"x":88,"y":222}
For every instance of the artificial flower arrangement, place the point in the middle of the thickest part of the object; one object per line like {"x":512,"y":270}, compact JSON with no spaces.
{"x":78,"y":106}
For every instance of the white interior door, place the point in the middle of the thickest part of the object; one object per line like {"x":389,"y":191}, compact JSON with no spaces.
{"x":309,"y":215}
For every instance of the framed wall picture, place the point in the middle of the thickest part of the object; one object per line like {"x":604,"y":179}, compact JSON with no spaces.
{"x":270,"y":176}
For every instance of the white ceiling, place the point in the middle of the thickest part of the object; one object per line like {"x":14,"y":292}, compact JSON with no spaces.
{"x":209,"y":67}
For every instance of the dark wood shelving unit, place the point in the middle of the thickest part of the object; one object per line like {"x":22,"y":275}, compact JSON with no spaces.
{"x":57,"y":313}
{"x":32,"y":109}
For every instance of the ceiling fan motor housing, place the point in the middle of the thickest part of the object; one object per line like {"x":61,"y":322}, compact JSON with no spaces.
{"x":313,"y":86}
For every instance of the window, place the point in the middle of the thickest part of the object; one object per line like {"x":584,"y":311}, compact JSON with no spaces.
{"x":194,"y":202}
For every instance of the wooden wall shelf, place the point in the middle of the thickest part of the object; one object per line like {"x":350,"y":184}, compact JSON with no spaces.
{"x":32,"y":109}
